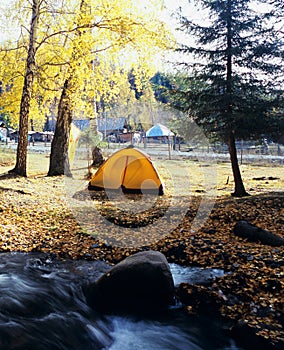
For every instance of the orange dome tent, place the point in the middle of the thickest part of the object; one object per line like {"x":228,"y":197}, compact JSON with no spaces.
{"x":130,"y":170}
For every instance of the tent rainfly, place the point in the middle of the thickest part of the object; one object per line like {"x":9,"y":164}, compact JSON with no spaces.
{"x":128,"y":169}
{"x":159,"y":130}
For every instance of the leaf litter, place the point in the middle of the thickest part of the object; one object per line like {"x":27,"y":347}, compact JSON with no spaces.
{"x":35,"y":217}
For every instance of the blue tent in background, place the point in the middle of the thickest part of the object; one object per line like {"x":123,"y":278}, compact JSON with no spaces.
{"x":159,"y":130}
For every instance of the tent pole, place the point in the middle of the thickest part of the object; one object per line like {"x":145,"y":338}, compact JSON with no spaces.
{"x":125,"y":169}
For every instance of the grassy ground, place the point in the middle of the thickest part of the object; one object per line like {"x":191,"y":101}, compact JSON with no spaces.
{"x":192,"y":225}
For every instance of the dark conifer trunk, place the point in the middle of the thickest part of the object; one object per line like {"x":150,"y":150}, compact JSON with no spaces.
{"x":21,"y":161}
{"x":59,"y":161}
{"x":239,"y":186}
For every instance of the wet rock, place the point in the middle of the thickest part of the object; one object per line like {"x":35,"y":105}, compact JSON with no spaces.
{"x":141,"y":282}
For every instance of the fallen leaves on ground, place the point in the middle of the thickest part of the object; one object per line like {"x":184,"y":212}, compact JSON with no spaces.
{"x":35,"y":216}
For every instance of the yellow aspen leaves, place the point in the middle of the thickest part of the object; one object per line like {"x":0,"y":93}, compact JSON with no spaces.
{"x":94,"y":43}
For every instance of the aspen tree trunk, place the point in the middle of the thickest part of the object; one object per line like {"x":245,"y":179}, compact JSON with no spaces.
{"x":21,"y":161}
{"x":59,"y":161}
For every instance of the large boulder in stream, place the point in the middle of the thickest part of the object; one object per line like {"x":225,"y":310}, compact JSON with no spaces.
{"x":141,"y":282}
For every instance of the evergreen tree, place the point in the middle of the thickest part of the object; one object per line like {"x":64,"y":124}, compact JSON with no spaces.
{"x":161,"y":84}
{"x":234,"y":74}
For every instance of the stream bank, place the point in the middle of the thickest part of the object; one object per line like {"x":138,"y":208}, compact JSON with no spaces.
{"x":43,"y":307}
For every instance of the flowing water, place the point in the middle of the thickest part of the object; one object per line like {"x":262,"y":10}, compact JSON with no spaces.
{"x":43,"y":307}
